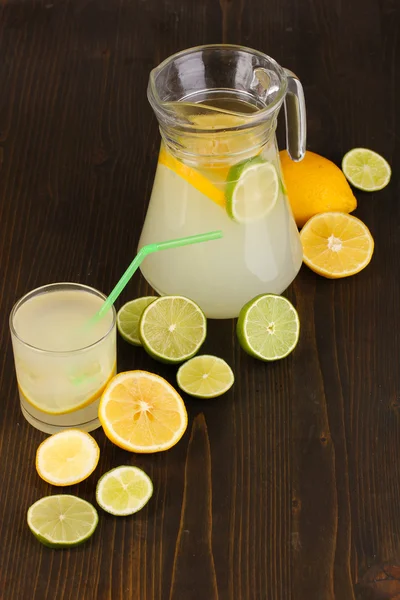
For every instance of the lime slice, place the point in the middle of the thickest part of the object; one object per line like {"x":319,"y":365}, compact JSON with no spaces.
{"x":172,"y":329}
{"x":62,"y":521}
{"x":123,"y":491}
{"x":128,"y":318}
{"x":366,"y":170}
{"x":252,"y":190}
{"x":205,"y":376}
{"x":268,"y":327}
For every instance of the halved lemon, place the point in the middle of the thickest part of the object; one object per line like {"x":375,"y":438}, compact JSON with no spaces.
{"x":142,"y":412}
{"x":67,"y":457}
{"x":336,"y":244}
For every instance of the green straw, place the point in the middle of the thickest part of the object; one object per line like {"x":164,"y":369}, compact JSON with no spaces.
{"x":141,"y":255}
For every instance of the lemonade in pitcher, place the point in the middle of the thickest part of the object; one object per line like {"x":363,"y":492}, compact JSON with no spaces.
{"x":219,"y":168}
{"x":62,"y":363}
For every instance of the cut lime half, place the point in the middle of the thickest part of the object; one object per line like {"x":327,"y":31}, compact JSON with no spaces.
{"x":62,"y":521}
{"x":172,"y":329}
{"x":205,"y":376}
{"x":252,"y":190}
{"x":366,"y":170}
{"x":128,"y":318}
{"x":123,"y":491}
{"x":268,"y":327}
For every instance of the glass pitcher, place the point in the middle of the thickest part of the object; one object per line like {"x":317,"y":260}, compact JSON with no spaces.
{"x":219,"y":168}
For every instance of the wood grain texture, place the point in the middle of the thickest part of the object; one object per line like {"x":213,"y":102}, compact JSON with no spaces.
{"x":288,"y":487}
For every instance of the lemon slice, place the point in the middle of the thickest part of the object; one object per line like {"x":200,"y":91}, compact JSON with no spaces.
{"x":366,"y":170}
{"x":195,"y":178}
{"x":128,"y":318}
{"x":205,"y":376}
{"x":123,"y":491}
{"x":62,"y":521}
{"x":142,"y":412}
{"x":336,"y":244}
{"x":268,"y":327}
{"x":252,"y":190}
{"x":67,"y":457}
{"x":172,"y":329}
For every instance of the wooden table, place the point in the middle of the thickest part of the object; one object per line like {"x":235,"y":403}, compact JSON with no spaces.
{"x":287,"y":488}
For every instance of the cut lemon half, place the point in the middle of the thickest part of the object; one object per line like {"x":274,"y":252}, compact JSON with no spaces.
{"x":366,"y":170}
{"x":67,"y":457}
{"x":142,"y":412}
{"x":268,"y":327}
{"x":252,"y":190}
{"x":128,"y":318}
{"x":336,"y":244}
{"x":62,"y":521}
{"x":172,"y":329}
{"x":192,"y":176}
{"x":205,"y":376}
{"x":123,"y":491}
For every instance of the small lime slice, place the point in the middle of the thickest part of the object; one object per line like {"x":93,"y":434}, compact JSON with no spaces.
{"x":123,"y":491}
{"x":268,"y":327}
{"x":172,"y":329}
{"x":366,"y":170}
{"x":252,"y":190}
{"x":205,"y":376}
{"x":128,"y":318}
{"x":62,"y":521}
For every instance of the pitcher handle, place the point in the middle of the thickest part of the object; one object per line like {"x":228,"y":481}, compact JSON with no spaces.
{"x":295,"y":116}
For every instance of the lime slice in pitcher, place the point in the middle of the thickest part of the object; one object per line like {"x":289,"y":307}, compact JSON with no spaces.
{"x":129,"y":316}
{"x":252,"y":190}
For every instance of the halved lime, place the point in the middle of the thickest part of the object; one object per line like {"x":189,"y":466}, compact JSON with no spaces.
{"x":123,"y":491}
{"x":62,"y":521}
{"x":205,"y":376}
{"x":366,"y":170}
{"x":268,"y":327}
{"x":172,"y":329}
{"x":128,"y":318}
{"x":252,"y":190}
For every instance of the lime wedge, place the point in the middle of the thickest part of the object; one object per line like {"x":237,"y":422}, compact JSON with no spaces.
{"x":252,"y":190}
{"x":366,"y":170}
{"x":172,"y":329}
{"x":205,"y":376}
{"x":268,"y":327}
{"x":123,"y":491}
{"x":62,"y":521}
{"x":128,"y":318}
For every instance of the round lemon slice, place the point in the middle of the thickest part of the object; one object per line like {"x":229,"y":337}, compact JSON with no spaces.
{"x":67,"y":457}
{"x":336,"y":245}
{"x":142,"y":412}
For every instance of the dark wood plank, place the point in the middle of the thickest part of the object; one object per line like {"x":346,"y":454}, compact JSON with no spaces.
{"x":287,"y":488}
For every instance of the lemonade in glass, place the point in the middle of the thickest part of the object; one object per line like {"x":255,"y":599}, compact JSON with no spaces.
{"x":62,"y":361}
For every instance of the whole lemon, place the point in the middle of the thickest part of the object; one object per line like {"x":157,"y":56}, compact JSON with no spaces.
{"x":315,"y":185}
